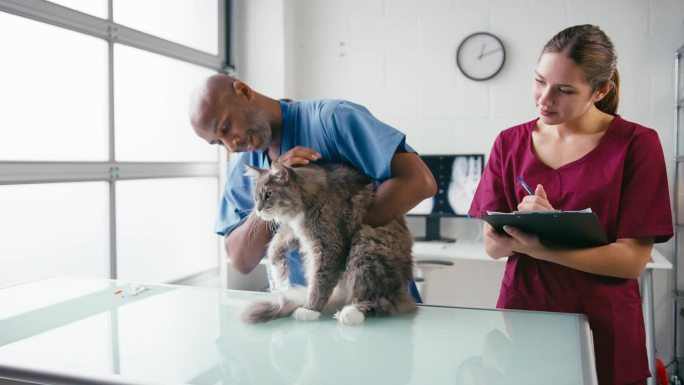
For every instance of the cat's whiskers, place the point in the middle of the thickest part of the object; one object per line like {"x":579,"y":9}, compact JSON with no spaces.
{"x":253,"y":223}
{"x":251,"y":230}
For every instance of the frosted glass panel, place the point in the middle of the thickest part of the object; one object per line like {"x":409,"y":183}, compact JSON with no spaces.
{"x":165,"y":228}
{"x":53,"y":97}
{"x":96,"y":8}
{"x":53,"y":229}
{"x":152,"y":95}
{"x":191,"y":23}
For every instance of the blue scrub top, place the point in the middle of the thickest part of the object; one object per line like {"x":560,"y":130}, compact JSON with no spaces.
{"x":341,"y":131}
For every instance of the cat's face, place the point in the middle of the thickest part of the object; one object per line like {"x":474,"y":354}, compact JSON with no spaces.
{"x":276,"y":195}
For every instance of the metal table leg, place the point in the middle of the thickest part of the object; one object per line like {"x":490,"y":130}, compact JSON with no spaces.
{"x":647,"y":307}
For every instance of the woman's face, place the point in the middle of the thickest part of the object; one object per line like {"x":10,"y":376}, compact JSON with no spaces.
{"x":561,"y":92}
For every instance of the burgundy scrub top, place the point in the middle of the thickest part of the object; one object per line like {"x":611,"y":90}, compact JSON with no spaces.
{"x":623,"y":180}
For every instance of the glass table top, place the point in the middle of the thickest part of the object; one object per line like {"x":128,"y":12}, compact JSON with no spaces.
{"x":80,"y":330}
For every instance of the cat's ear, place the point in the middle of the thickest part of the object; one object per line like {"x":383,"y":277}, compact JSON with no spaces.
{"x":283,"y":172}
{"x":254,"y":172}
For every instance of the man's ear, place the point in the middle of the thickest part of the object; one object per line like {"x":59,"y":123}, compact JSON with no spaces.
{"x":242,"y":89}
{"x":254,"y":172}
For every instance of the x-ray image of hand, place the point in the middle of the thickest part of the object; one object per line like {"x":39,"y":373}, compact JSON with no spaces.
{"x":465,"y":176}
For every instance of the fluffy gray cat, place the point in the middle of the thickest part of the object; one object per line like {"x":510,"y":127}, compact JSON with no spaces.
{"x":352,"y":268}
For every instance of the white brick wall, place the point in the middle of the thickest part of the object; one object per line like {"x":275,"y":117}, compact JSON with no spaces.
{"x":397,"y":58}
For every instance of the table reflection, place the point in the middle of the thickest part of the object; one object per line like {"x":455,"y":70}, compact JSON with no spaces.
{"x":173,"y":334}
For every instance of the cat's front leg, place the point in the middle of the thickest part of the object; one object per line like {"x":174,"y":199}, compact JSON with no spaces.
{"x":328,"y":268}
{"x":279,"y":273}
{"x":281,"y":243}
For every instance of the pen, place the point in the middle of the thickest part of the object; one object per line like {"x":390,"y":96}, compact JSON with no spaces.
{"x":525,"y":186}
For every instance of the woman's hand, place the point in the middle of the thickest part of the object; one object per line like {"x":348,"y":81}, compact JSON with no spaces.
{"x":518,"y":241}
{"x":522,"y":242}
{"x":496,"y":245}
{"x":536,"y":202}
{"x":298,"y":156}
{"x":514,"y":241}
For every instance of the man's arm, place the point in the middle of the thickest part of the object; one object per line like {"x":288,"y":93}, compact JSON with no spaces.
{"x":246,"y":244}
{"x":411,"y":182}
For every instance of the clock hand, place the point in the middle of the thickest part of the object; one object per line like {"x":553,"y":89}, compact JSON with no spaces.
{"x":489,"y":52}
{"x":481,"y":52}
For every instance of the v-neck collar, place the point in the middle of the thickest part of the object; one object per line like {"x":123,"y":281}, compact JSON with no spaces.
{"x":286,"y":133}
{"x":583,"y":158}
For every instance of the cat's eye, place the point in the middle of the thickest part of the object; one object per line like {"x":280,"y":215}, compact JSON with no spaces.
{"x":267,"y":194}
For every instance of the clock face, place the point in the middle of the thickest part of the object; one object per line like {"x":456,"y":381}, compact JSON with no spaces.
{"x":480,"y":56}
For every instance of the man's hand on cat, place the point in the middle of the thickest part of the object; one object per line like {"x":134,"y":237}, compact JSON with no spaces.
{"x":298,"y":156}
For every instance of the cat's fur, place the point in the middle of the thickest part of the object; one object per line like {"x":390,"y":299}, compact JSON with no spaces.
{"x":351,"y":268}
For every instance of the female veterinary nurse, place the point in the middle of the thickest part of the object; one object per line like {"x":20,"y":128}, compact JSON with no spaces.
{"x":580,"y":154}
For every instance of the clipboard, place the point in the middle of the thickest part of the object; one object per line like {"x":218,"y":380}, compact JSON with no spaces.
{"x":562,"y":228}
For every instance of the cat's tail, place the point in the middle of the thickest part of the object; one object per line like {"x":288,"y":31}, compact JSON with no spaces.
{"x":277,"y":305}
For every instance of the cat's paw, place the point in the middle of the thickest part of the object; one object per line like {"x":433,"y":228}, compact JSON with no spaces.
{"x":304,"y":314}
{"x":350,"y":315}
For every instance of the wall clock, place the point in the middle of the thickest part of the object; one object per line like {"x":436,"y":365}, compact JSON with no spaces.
{"x":480,"y":56}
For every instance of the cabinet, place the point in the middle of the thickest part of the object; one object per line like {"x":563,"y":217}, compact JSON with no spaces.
{"x":678,"y":173}
{"x":457,"y":274}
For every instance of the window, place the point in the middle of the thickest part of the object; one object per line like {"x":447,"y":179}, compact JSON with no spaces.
{"x":54,"y":109}
{"x":100,"y":173}
{"x":152,"y":120}
{"x":191,"y":23}
{"x":165,"y":228}
{"x":92,"y":7}
{"x":53,"y":229}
